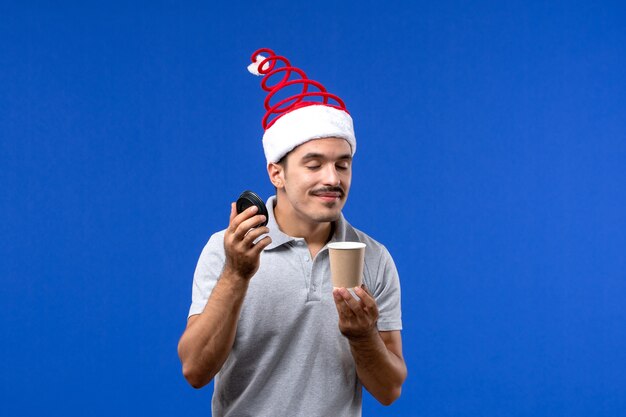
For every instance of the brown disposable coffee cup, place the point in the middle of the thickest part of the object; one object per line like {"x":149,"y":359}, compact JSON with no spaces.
{"x":346,"y":263}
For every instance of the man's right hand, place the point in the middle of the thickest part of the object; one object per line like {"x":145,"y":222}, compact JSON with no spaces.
{"x":209,"y":336}
{"x":242,"y":254}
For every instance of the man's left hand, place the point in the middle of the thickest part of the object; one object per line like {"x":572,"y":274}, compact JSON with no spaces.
{"x":357,"y":318}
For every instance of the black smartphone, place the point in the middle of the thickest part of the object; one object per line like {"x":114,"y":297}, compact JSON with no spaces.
{"x":248,"y":199}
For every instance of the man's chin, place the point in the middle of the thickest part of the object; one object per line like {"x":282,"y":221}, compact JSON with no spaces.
{"x":328,"y":211}
{"x":328,"y":215}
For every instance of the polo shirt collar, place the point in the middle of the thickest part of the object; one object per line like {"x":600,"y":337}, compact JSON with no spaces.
{"x":343,"y":231}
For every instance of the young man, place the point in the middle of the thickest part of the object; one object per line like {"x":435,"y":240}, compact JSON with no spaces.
{"x":265,"y":320}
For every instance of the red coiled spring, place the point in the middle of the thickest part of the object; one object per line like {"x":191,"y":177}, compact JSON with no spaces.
{"x":267,"y":67}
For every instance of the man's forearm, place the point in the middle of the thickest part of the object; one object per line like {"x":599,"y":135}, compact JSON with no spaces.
{"x":380,"y":370}
{"x":209,"y":337}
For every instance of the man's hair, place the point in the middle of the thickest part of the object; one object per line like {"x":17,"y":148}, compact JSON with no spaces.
{"x":283,"y":161}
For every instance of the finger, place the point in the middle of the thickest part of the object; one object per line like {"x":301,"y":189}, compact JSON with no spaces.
{"x":233,"y":212}
{"x":367,"y":290}
{"x":250,"y":223}
{"x":360,"y":298}
{"x":352,"y":302}
{"x":247,"y":226}
{"x":367,"y":300}
{"x":254,"y":234}
{"x":261,"y":244}
{"x":243,"y":216}
{"x":342,"y":308}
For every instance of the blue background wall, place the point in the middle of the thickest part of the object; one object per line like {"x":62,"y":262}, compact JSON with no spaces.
{"x":491,"y":163}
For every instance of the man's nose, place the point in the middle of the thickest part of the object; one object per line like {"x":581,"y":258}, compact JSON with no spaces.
{"x":331,"y":176}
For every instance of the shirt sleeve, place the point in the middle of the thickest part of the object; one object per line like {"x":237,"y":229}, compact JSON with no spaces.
{"x":208,"y":270}
{"x":387,"y":294}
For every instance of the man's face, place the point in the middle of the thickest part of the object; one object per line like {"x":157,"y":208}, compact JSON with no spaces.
{"x":314,"y":181}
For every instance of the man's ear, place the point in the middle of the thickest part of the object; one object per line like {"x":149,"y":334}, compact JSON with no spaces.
{"x":276,"y":173}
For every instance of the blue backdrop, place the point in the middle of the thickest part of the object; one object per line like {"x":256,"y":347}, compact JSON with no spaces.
{"x":490,"y":163}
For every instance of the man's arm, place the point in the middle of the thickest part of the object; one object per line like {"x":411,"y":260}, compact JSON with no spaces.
{"x":377,"y":355}
{"x":209,"y":336}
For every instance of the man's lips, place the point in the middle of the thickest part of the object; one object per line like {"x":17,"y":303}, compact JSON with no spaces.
{"x":328,"y":196}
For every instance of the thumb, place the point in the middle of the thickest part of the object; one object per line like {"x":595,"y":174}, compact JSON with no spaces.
{"x":233,"y":212}
{"x":367,"y":290}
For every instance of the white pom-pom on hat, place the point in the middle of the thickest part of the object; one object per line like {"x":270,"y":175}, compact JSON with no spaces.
{"x":254,"y":67}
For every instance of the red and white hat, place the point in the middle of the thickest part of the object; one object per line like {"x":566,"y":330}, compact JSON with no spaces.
{"x":300,"y":117}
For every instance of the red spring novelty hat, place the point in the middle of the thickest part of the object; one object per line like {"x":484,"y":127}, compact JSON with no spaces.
{"x":312,"y":113}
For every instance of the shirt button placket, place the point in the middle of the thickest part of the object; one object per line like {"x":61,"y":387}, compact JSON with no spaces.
{"x":305,"y":256}
{"x":316,"y":283}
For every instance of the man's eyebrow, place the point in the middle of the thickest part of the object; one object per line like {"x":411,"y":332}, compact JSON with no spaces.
{"x":314,"y":155}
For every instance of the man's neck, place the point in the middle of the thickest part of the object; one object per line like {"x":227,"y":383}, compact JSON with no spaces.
{"x":315,"y":234}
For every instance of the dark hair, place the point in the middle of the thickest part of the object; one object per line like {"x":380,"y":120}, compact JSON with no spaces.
{"x":283,"y":161}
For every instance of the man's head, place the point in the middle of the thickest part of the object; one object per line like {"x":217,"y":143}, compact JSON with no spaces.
{"x":313,"y":180}
{"x":308,"y":142}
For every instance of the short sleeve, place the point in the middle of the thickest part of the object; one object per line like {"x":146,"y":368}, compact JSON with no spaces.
{"x":209,"y":268}
{"x":387,"y":294}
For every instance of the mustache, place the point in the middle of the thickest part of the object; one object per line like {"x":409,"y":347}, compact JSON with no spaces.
{"x":323,"y":190}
